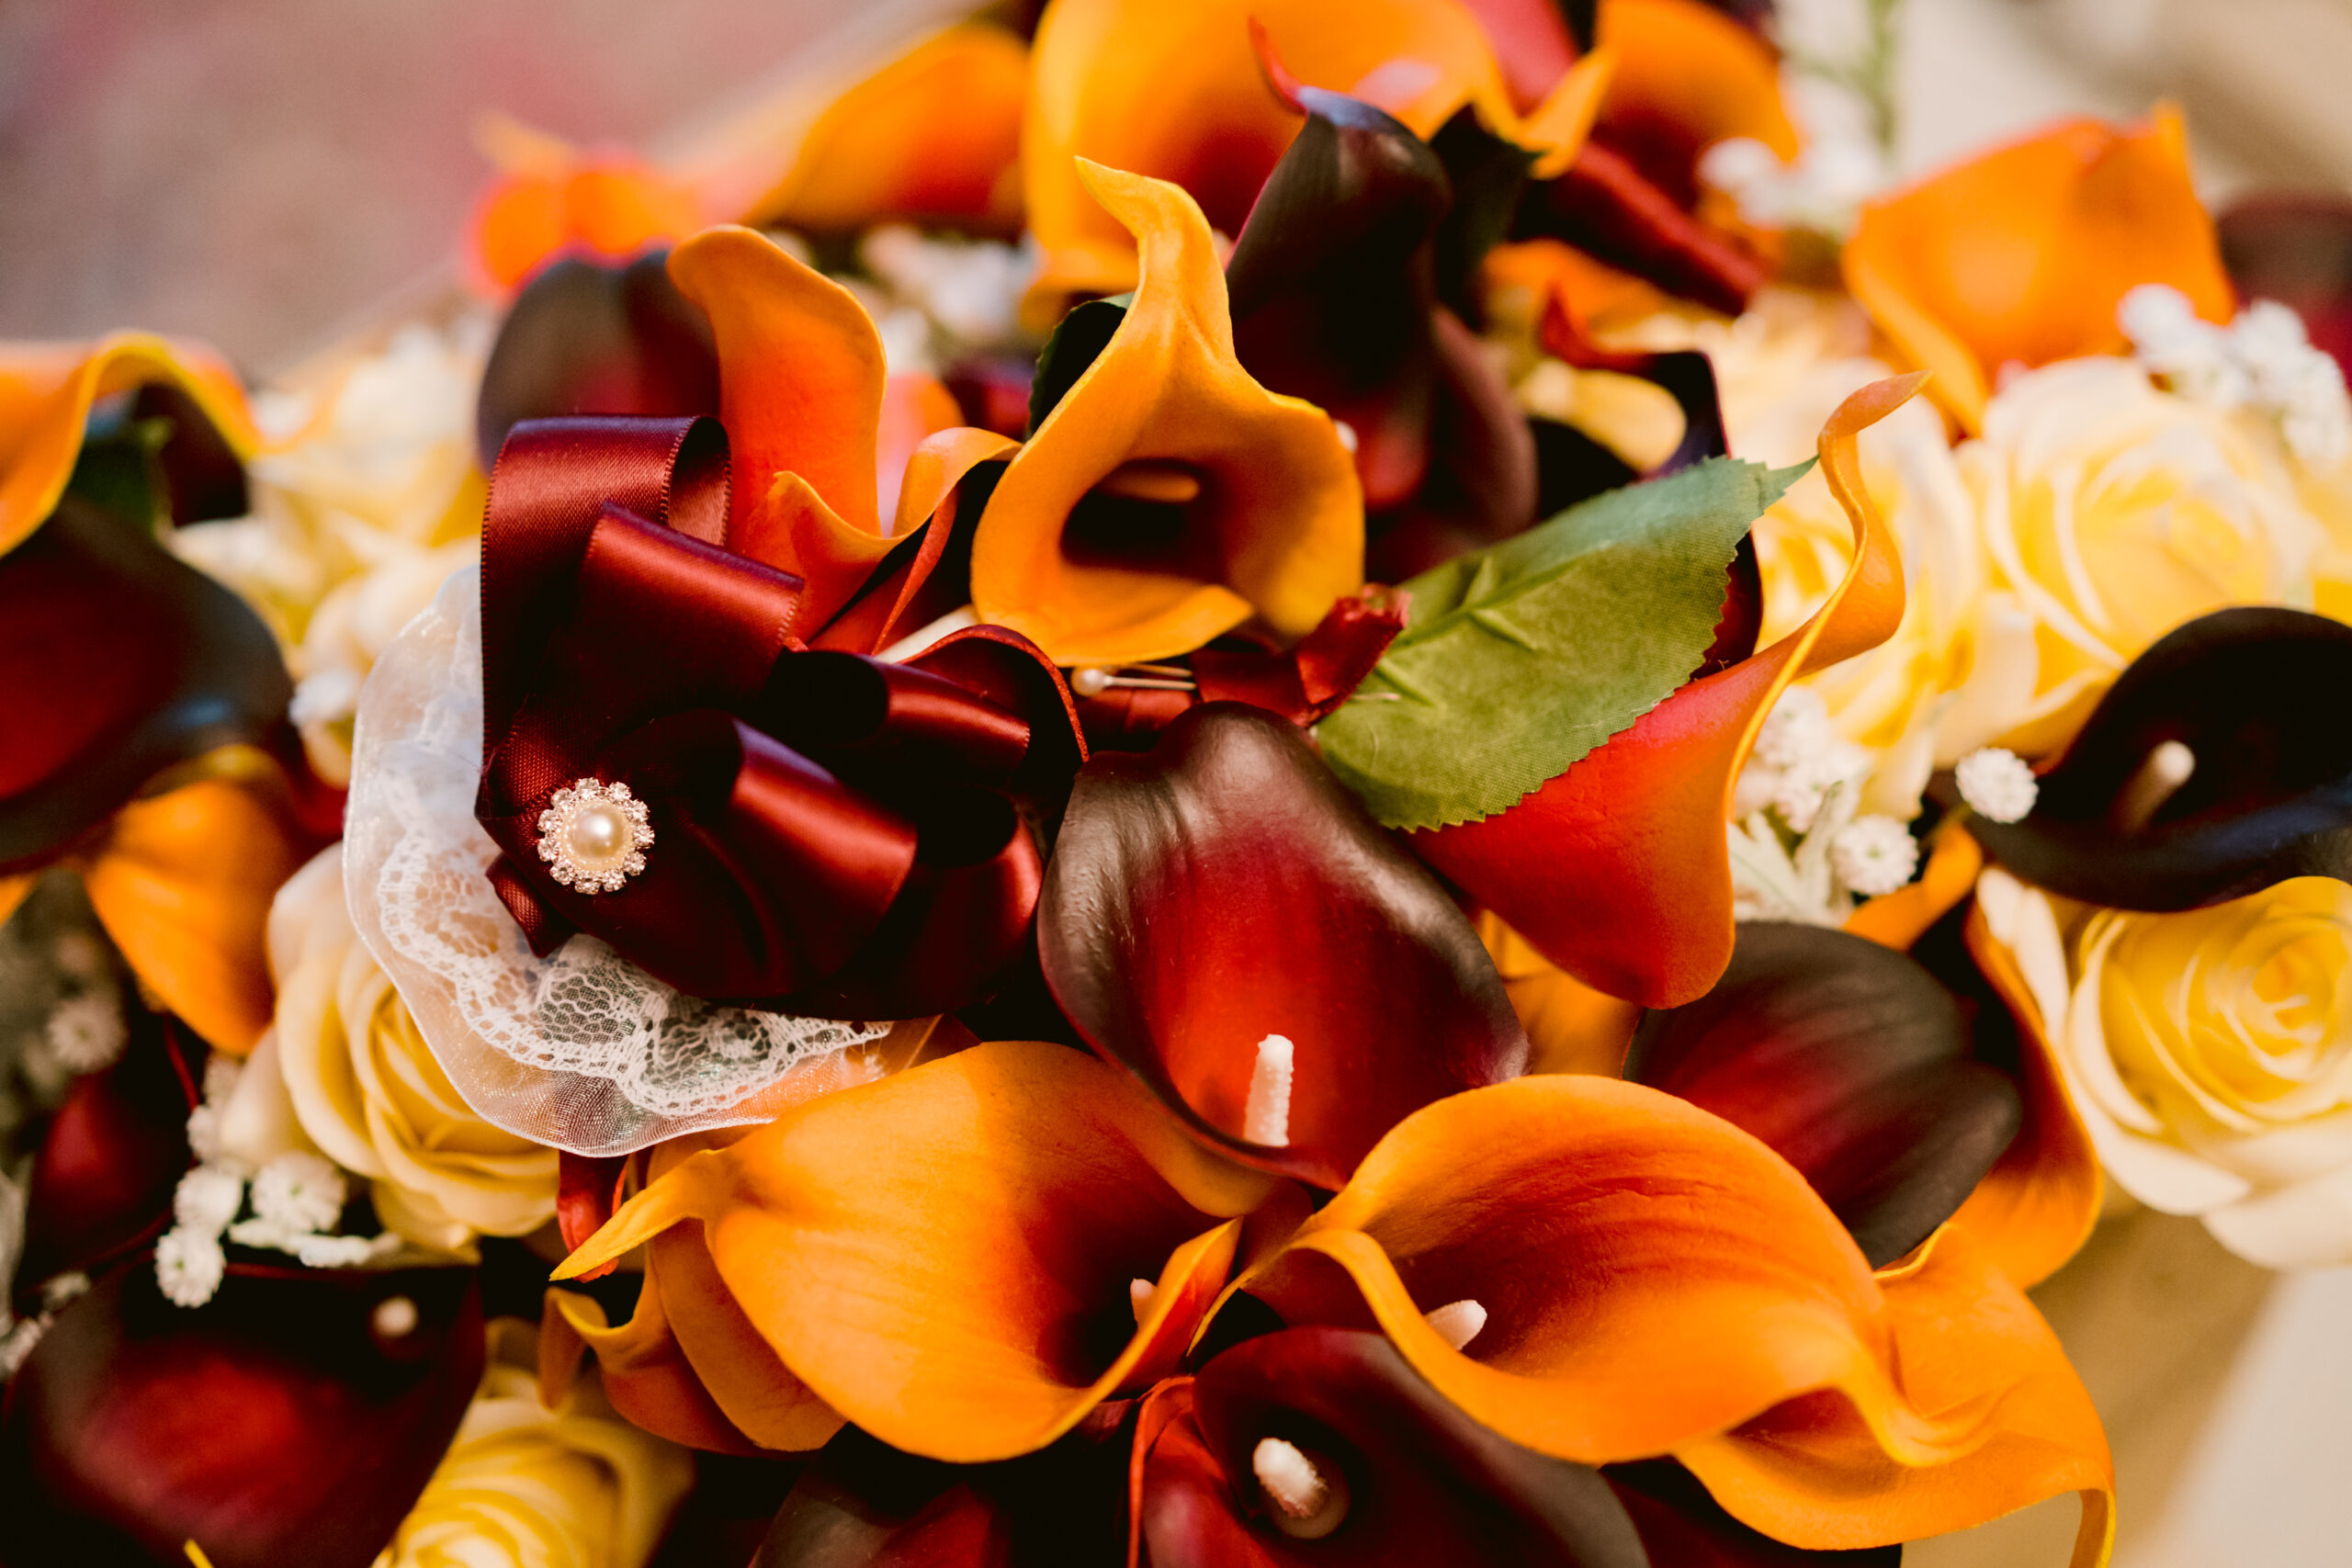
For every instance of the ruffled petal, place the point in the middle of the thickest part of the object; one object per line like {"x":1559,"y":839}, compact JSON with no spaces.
{"x":1225,"y":887}
{"x":1619,"y":870}
{"x":1656,"y":1281}
{"x":944,"y":1258}
{"x":552,"y":201}
{"x":2023,"y":254}
{"x":1273,"y":520}
{"x":644,"y":1373}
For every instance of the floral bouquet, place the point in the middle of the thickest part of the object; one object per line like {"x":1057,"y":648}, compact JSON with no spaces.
{"x":1196,"y":783}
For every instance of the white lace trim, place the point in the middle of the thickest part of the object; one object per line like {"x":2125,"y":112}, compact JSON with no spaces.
{"x":581,"y":1049}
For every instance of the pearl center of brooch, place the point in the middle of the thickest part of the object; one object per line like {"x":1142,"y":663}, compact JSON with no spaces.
{"x":594,"y":836}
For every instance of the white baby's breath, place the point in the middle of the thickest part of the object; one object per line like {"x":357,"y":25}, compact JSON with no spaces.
{"x":190,"y":1266}
{"x":299,"y":1191}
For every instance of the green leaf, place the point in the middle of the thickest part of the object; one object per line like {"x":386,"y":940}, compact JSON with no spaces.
{"x":1076,"y":342}
{"x":1519,"y":659}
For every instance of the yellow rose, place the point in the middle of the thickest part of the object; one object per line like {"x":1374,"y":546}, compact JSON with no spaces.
{"x":2209,"y":1053}
{"x":526,"y":1487}
{"x":2113,"y":512}
{"x":366,"y":1091}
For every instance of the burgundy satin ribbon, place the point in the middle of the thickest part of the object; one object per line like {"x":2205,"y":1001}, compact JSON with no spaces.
{"x":835,"y":836}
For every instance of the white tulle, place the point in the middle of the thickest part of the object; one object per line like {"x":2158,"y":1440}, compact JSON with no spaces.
{"x":581,"y":1049}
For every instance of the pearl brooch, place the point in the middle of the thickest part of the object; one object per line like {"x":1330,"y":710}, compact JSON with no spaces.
{"x":594,"y":836}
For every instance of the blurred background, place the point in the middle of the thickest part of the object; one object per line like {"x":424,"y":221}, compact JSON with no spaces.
{"x":269,"y":173}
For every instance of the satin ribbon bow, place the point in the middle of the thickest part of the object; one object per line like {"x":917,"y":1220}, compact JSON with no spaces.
{"x":835,"y":835}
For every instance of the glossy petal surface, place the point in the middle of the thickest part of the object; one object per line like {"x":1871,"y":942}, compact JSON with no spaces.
{"x":1225,"y":887}
{"x":945,"y":1257}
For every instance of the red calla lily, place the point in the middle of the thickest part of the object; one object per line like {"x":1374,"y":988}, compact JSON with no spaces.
{"x":294,"y":1419}
{"x":1225,"y":887}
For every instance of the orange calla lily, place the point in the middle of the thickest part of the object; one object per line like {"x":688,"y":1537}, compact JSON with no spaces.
{"x":2035,"y":1208}
{"x":1571,"y":1027}
{"x":550,"y":198}
{"x":934,"y":134}
{"x":181,"y":877}
{"x":1179,"y":92}
{"x":1719,"y":1312}
{"x":1900,"y":919}
{"x":807,"y":402}
{"x":2022,"y":256}
{"x":1618,"y":870}
{"x":947,"y":1256}
{"x":1272,"y":515}
{"x":47,"y":390}
{"x":1688,"y":76}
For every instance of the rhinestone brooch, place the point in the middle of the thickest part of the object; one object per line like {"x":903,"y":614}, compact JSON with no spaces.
{"x":594,"y":836}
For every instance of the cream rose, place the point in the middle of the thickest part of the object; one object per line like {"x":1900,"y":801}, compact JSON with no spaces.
{"x":366,"y":1089}
{"x":526,"y":1487}
{"x":2208,"y":1053}
{"x":2112,"y":513}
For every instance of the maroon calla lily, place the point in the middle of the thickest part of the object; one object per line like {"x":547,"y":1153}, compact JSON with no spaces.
{"x":1854,"y":1062}
{"x":112,"y":1155}
{"x":118,"y":661}
{"x":863,"y":1505}
{"x":2268,"y":794}
{"x":2296,"y":249}
{"x":294,"y":1419}
{"x":586,"y":337}
{"x":1225,"y":887}
{"x":1423,"y":1483}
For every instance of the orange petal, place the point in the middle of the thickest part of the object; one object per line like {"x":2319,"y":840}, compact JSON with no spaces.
{"x":934,"y":134}
{"x":646,"y":1375}
{"x":800,"y":386}
{"x":1899,"y":919}
{"x":946,"y":1256}
{"x":2023,"y":254}
{"x":46,"y":391}
{"x":1572,"y":1027}
{"x":1619,"y":870}
{"x":1688,"y":76}
{"x":1278,"y":517}
{"x":1175,"y":92}
{"x":607,"y":205}
{"x":2035,"y":1208}
{"x":1984,"y":1417}
{"x":1656,"y":1281}
{"x":183,"y":883}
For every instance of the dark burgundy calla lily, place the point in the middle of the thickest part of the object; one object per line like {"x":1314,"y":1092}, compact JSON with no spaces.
{"x":118,"y":661}
{"x":1854,"y":1064}
{"x":863,"y":1505}
{"x":2297,"y":250}
{"x":1335,"y":290}
{"x":1683,"y":1527}
{"x":2254,"y":694}
{"x":1225,"y":888}
{"x":1424,"y":1482}
{"x":833,"y":833}
{"x":586,"y":337}
{"x":294,"y":1419}
{"x":112,"y":1155}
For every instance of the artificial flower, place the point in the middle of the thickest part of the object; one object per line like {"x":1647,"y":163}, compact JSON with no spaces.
{"x":550,"y":200}
{"x":140,"y":767}
{"x":2112,"y":513}
{"x":2022,"y":256}
{"x":935,"y":136}
{"x":1167,"y":497}
{"x":524,"y":1485}
{"x":1225,"y":889}
{"x":1643,"y":909}
{"x":137,"y":1426}
{"x":2208,"y":1052}
{"x":366,"y":1089}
